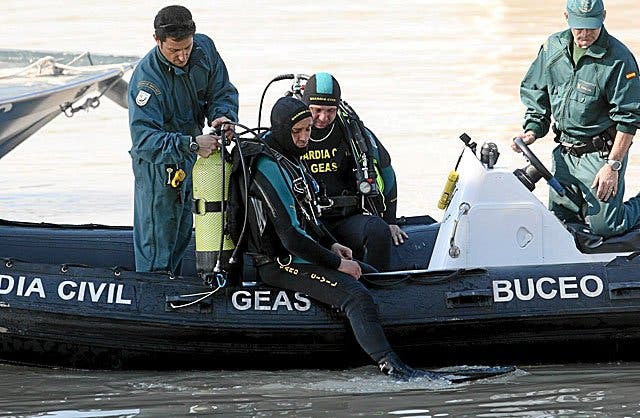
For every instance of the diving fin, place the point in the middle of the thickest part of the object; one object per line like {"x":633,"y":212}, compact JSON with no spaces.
{"x":391,"y":365}
{"x":463,"y":375}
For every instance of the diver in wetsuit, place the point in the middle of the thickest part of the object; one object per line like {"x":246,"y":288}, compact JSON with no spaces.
{"x":362,"y":213}
{"x":291,"y":248}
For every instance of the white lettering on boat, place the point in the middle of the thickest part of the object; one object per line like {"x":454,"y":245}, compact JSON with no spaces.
{"x":67,"y":290}
{"x":8,"y":285}
{"x":547,"y":288}
{"x":265,"y":300}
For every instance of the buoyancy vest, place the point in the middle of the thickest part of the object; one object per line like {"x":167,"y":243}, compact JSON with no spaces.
{"x":366,"y":164}
{"x":246,"y":214}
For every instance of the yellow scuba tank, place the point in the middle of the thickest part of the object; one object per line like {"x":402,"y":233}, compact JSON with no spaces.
{"x":208,"y":207}
{"x":447,"y":193}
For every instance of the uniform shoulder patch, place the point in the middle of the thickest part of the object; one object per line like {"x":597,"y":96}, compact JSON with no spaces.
{"x":142,"y":98}
{"x":149,"y":86}
{"x":630,"y":75}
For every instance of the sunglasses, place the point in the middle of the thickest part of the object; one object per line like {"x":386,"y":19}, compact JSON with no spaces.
{"x":187,"y":25}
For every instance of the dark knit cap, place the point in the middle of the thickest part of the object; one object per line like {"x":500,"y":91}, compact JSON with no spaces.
{"x":322,"y":89}
{"x":284,"y":115}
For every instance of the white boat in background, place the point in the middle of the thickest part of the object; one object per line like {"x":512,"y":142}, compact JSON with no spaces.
{"x":37,"y":86}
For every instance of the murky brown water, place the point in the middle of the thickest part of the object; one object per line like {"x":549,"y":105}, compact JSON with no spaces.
{"x":549,"y":391}
{"x":419,"y":73}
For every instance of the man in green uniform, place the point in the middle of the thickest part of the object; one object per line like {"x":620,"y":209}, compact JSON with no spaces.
{"x":174,"y":88}
{"x":588,"y":81}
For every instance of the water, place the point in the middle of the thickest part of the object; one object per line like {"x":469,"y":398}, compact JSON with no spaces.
{"x":541,"y":391}
{"x":419,"y":73}
{"x":586,"y":390}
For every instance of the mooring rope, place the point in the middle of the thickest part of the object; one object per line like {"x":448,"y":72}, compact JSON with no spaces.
{"x":206,"y":295}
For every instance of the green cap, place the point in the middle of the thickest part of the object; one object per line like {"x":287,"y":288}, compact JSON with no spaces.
{"x":585,"y":14}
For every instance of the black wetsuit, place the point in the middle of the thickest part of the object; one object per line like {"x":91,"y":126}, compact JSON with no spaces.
{"x":279,"y":228}
{"x":332,"y":164}
{"x":289,"y":245}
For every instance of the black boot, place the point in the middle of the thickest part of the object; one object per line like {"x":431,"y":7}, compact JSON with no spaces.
{"x":391,"y":365}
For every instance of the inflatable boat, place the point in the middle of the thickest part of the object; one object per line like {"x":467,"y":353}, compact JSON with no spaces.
{"x":498,"y":279}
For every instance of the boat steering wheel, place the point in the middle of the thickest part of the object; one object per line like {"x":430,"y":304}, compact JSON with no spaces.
{"x":535,"y":170}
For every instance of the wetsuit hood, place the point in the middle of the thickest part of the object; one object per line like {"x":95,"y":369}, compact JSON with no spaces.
{"x":285,"y":114}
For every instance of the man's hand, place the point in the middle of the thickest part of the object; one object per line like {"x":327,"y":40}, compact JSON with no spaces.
{"x":350,"y":267}
{"x":607,"y":179}
{"x":207,"y":144}
{"x":342,"y":251}
{"x":397,"y":235}
{"x":528,"y":137}
{"x":607,"y":182}
{"x":227,"y":128}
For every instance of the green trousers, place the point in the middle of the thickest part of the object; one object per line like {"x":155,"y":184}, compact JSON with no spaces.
{"x":163,"y":221}
{"x":581,"y":204}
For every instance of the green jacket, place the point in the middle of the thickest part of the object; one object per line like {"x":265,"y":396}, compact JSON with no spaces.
{"x":169,"y":104}
{"x":600,"y":92}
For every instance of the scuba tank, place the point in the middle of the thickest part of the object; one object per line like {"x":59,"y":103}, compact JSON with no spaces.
{"x":210,"y":194}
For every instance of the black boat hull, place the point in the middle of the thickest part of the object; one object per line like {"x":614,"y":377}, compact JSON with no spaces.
{"x":78,"y":315}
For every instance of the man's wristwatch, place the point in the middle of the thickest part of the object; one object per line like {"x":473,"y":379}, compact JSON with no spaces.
{"x":615,"y":164}
{"x":193,"y":145}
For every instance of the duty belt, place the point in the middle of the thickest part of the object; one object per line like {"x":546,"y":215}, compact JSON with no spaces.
{"x":601,"y":143}
{"x":578,"y":150}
